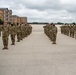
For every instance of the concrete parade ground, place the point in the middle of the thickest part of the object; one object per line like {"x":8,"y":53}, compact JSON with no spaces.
{"x":35,"y":55}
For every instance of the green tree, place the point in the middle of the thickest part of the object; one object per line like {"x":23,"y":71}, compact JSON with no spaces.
{"x":73,"y":23}
{"x":60,"y":23}
{"x":1,"y":21}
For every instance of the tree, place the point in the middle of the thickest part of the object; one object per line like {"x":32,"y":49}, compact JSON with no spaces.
{"x":59,"y":23}
{"x":1,"y":21}
{"x":73,"y":23}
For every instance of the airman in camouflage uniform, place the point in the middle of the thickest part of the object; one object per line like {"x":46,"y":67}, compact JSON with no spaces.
{"x":12,"y":33}
{"x":67,"y":30}
{"x":72,"y":31}
{"x":75,"y":31}
{"x":21,"y":31}
{"x":54,"y":34}
{"x":5,"y":35}
{"x":0,"y":29}
{"x":18,"y":30}
{"x":50,"y":31}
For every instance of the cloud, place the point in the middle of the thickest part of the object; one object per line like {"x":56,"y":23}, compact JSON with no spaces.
{"x":43,"y":10}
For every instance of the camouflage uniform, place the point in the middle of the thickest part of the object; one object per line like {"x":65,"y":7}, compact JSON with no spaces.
{"x":5,"y":34}
{"x":50,"y":32}
{"x":18,"y":29}
{"x":26,"y":31}
{"x":75,"y":31}
{"x":21,"y":31}
{"x":0,"y":29}
{"x":71,"y":31}
{"x":12,"y":33}
{"x":54,"y":34}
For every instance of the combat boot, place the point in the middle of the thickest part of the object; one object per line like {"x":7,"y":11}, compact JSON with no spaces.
{"x":13,"y":44}
{"x":18,"y":40}
{"x":54,"y":43}
{"x":7,"y":48}
{"x":3,"y":48}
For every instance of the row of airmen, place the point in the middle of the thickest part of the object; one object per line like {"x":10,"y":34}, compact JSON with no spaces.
{"x":51,"y":31}
{"x":19,"y":30}
{"x":69,"y":30}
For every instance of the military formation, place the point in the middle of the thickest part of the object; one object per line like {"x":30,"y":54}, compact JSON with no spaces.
{"x":69,"y":30}
{"x":23,"y":30}
{"x":51,"y":31}
{"x":14,"y":30}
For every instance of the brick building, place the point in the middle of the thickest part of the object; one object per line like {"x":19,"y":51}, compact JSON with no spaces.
{"x":16,"y":19}
{"x":10,"y":16}
{"x":19,"y":20}
{"x":6,"y":15}
{"x":23,"y":20}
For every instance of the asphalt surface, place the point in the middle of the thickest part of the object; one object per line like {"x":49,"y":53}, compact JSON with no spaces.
{"x":36,"y":55}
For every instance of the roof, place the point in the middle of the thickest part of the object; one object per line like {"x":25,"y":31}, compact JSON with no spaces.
{"x":3,"y":8}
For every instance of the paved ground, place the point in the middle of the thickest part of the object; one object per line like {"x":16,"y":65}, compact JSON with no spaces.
{"x":35,"y":55}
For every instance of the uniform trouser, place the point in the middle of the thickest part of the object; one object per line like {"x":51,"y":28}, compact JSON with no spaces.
{"x":25,"y":34}
{"x":72,"y":34}
{"x":0,"y":33}
{"x":22,"y":34}
{"x":5,"y":42}
{"x":13,"y":39}
{"x":50,"y":36}
{"x":75,"y":34}
{"x":18,"y":36}
{"x":54,"y":38}
{"x":67,"y":33}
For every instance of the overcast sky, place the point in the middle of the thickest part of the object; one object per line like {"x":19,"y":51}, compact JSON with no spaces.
{"x":43,"y":10}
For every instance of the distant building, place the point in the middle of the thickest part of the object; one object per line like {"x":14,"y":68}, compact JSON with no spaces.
{"x":16,"y":19}
{"x":19,"y":20}
{"x":5,"y":15}
{"x":10,"y":16}
{"x":23,"y":20}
